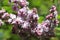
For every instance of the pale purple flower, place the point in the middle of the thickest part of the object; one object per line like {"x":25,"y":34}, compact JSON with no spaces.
{"x":54,"y":7}
{"x":5,"y":15}
{"x":46,"y":29}
{"x":23,"y":3}
{"x":17,"y":20}
{"x":13,"y":22}
{"x":47,"y":21}
{"x":55,"y":14}
{"x":33,"y":31}
{"x":30,"y":13}
{"x":35,"y":16}
{"x":22,"y":12}
{"x":15,"y":7}
{"x":39,"y":30}
{"x":26,"y":25}
{"x":12,"y":16}
{"x":56,"y":22}
{"x":9,"y":20}
{"x":22,"y":0}
{"x":50,"y":16}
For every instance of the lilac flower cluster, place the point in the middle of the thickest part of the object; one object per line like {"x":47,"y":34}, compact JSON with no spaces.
{"x":26,"y":19}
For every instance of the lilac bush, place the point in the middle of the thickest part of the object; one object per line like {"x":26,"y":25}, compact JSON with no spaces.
{"x":26,"y":20}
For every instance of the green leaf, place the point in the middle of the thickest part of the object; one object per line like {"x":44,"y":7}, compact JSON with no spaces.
{"x":41,"y":18}
{"x":5,"y":2}
{"x":8,"y":9}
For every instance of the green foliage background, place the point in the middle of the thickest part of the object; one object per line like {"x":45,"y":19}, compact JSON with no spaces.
{"x":43,"y":7}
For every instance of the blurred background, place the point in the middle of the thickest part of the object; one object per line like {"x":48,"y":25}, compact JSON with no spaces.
{"x":43,"y":7}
